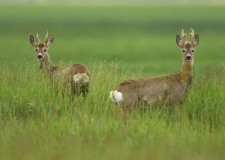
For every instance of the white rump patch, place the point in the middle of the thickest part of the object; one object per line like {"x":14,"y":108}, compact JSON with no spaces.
{"x":81,"y":78}
{"x":116,"y":96}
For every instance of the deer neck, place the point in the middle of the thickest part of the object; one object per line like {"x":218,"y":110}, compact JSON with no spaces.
{"x":46,"y":65}
{"x":186,"y":72}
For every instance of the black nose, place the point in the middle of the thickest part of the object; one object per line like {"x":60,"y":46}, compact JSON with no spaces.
{"x":39,"y":56}
{"x":188,"y":58}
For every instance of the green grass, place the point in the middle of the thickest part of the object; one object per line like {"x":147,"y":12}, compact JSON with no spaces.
{"x":116,"y":42}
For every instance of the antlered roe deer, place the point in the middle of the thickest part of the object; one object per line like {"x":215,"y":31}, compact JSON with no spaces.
{"x":165,"y":90}
{"x":76,"y":75}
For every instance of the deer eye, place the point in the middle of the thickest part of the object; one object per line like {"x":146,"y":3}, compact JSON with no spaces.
{"x":45,"y":50}
{"x":192,"y":50}
{"x":36,"y":50}
{"x":183,"y":50}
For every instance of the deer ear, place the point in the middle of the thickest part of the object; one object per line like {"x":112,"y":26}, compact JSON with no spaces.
{"x":50,"y":40}
{"x":196,"y":40}
{"x":179,"y":41}
{"x":33,"y":40}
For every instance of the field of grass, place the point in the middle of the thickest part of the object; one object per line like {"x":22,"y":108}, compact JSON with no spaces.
{"x":115,"y":42}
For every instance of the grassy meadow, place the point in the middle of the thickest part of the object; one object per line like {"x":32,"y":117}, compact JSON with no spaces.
{"x":116,"y":42}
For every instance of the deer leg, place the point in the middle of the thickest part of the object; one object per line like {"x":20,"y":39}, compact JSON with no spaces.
{"x":74,"y":90}
{"x":130,"y":102}
{"x":84,"y":90}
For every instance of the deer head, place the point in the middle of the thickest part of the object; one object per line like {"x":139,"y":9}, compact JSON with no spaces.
{"x":41,"y":48}
{"x":188,"y":45}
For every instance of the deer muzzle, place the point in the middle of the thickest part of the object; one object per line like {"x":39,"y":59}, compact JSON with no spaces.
{"x":188,"y":57}
{"x":40,"y":56}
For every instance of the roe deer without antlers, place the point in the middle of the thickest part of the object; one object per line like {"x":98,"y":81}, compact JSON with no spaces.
{"x":164,"y":90}
{"x":77,"y":75}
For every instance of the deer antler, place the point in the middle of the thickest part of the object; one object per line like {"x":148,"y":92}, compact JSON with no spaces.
{"x":38,"y":39}
{"x":192,"y":35}
{"x":183,"y":36}
{"x":46,"y":37}
{"x":181,"y":40}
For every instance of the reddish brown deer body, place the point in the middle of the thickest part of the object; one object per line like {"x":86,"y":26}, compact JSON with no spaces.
{"x":165,"y":90}
{"x":77,"y":75}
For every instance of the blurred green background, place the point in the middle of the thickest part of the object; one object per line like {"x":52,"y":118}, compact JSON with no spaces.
{"x":138,"y":36}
